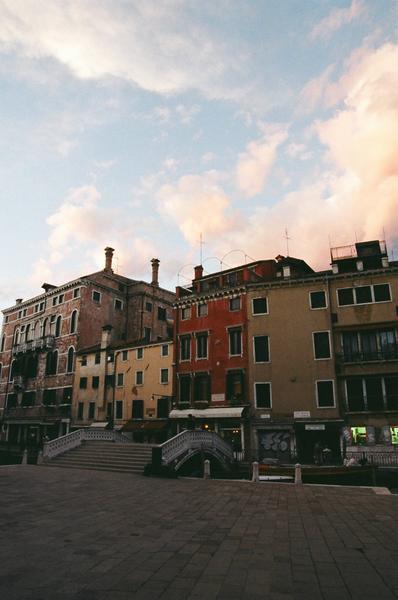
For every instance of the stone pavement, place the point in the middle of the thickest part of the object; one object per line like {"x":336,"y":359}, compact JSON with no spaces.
{"x":70,"y":534}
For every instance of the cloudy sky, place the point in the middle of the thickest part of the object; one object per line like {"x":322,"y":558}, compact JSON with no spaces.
{"x":144,"y":124}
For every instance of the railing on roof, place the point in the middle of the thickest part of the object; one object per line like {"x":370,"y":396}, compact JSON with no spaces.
{"x":351,"y":251}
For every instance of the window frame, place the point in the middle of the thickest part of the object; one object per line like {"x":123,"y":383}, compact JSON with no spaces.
{"x":319,"y":307}
{"x":162,"y":347}
{"x":189,"y":310}
{"x":373,"y":301}
{"x":330,"y":346}
{"x":202,"y":305}
{"x":255,"y":314}
{"x":137,"y":351}
{"x":261,"y":362}
{"x":181,"y":339}
{"x":269,"y":384}
{"x":100,"y":296}
{"x":232,"y":300}
{"x":120,"y":379}
{"x":232,"y":330}
{"x":136,"y":377}
{"x":164,"y":370}
{"x":317,"y":393}
{"x":117,"y":304}
{"x":202,"y":334}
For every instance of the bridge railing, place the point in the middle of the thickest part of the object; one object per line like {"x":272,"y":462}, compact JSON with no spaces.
{"x":190,"y":440}
{"x":75,"y":438}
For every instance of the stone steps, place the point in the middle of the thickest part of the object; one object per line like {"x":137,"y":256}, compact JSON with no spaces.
{"x":105,"y":456}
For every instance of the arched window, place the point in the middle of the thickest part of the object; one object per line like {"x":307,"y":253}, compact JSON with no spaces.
{"x":45,"y":327}
{"x":13,"y":370}
{"x":17,"y":337}
{"x":73,"y":322}
{"x":36,"y":330}
{"x":58,"y":326}
{"x":71,"y":360}
{"x":27,"y":333}
{"x":3,"y":343}
{"x":1,"y":370}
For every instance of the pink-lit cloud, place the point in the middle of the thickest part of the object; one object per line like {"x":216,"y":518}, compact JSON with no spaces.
{"x":337,"y":18}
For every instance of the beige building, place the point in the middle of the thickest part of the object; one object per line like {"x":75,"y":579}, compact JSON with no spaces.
{"x":129,"y":387}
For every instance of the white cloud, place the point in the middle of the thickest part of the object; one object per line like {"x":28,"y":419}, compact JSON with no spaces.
{"x":157,"y":46}
{"x":255,"y":163}
{"x":299,"y":151}
{"x":187,"y":113}
{"x":337,"y":18}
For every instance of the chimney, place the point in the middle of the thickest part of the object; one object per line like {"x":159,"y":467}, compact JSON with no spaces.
{"x":155,"y":271}
{"x":198,"y":272}
{"x":106,"y":336}
{"x":108,"y":259}
{"x":18,"y":300}
{"x":48,"y":286}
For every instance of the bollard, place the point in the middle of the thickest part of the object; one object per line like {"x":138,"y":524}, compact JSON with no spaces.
{"x":40,"y":458}
{"x":297,"y":473}
{"x":24,"y":457}
{"x":206,"y":469}
{"x":255,"y":476}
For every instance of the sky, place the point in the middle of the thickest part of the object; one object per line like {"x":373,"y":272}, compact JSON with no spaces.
{"x":150,"y":125}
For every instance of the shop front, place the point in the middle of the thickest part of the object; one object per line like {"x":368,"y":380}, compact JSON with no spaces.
{"x":318,"y":442}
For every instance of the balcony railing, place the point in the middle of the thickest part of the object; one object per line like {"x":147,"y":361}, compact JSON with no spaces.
{"x":379,"y":355}
{"x":44,"y":343}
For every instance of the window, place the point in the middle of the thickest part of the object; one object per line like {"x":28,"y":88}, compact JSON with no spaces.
{"x":262,"y":395}
{"x":70,"y":360}
{"x":125,"y":355}
{"x":325,"y":394}
{"x":374,"y":393}
{"x":391,"y":387}
{"x":29,"y":398}
{"x":58,"y":326}
{"x":321,"y":345}
{"x":6,"y":319}
{"x":140,"y":353}
{"x":138,"y":409}
{"x":234,"y":387}
{"x":83,"y":383}
{"x":91,"y":410}
{"x":260,"y":306}
{"x":139,"y":377}
{"x":261,"y":348}
{"x":164,"y":350}
{"x":55,"y":300}
{"x":201,"y":387}
{"x":51,"y":362}
{"x":95,"y":382}
{"x":12,"y":400}
{"x":185,"y":347}
{"x":201,"y":345}
{"x":49,"y":397}
{"x":109,"y":380}
{"x":355,"y":394}
{"x":1,"y":370}
{"x":3,"y":343}
{"x":118,"y":304}
{"x":358,"y":435}
{"x":80,"y":411}
{"x":120,"y":379}
{"x":202,"y":309}
{"x":96,"y":296}
{"x":364,"y":294}
{"x":186,"y":313}
{"x":318,"y":299}
{"x":97,"y":358}
{"x":13,"y":370}
{"x":164,"y":376}
{"x":185,"y":388}
{"x":67,"y":395}
{"x":147,"y":334}
{"x":162,"y":313}
{"x":148,"y":306}
{"x":119,"y":409}
{"x":235,"y":342}
{"x":60,"y":298}
{"x":73,"y":322}
{"x":76,"y":293}
{"x":83,"y":361}
{"x":234,"y":303}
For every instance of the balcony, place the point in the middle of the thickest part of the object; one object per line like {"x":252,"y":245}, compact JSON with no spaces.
{"x":377,"y":356}
{"x":44,"y":343}
{"x":34,"y":413}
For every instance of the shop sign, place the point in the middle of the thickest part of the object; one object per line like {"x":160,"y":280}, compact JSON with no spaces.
{"x":315,"y":427}
{"x":302,"y":414}
{"x":265,"y":416}
{"x":217,"y":398}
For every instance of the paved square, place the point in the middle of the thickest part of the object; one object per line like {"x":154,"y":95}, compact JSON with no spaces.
{"x":85,"y":535}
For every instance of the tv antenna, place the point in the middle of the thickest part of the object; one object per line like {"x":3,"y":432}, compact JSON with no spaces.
{"x":287,"y":238}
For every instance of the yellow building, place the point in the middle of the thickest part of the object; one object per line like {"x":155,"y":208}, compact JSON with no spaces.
{"x":129,"y":387}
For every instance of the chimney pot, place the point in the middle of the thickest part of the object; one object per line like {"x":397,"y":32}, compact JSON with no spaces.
{"x":106,"y":336}
{"x":198,"y":272}
{"x":155,"y":271}
{"x":18,"y":300}
{"x":108,"y":259}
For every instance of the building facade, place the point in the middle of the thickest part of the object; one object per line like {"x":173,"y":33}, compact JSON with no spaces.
{"x":40,"y":337}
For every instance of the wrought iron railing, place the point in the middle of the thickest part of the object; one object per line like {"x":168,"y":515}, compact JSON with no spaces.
{"x":376,"y":455}
{"x":43,"y":343}
{"x":377,"y":355}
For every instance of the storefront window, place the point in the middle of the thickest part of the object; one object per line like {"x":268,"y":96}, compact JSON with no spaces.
{"x":358,"y":435}
{"x":394,"y":435}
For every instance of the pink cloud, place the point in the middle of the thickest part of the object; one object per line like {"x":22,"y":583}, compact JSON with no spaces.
{"x":337,"y":18}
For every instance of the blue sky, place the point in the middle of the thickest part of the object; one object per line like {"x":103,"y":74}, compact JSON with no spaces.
{"x":142,"y":124}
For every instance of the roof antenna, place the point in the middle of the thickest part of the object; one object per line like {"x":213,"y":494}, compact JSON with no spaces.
{"x":201,"y":244}
{"x":287,"y":238}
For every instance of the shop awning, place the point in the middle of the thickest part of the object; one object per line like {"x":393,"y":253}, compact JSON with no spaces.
{"x":144,"y":425}
{"x":209,"y":413}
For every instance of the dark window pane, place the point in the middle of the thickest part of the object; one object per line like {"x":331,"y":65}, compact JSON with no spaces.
{"x":325,"y":394}
{"x":263,"y":395}
{"x":318,"y":299}
{"x":235,"y":387}
{"x":95,"y":382}
{"x":374,"y":393}
{"x":391,"y":384}
{"x":185,"y":389}
{"x":261,"y":352}
{"x":351,"y":346}
{"x":91,"y":410}
{"x":201,"y":345}
{"x":382,"y":292}
{"x":83,"y":383}
{"x":345,"y":296}
{"x":235,"y":342}
{"x":119,"y":409}
{"x":355,"y":399}
{"x":363,"y":294}
{"x":201,"y":386}
{"x":321,"y":344}
{"x":234,"y":303}
{"x":138,"y":409}
{"x":260,"y":306}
